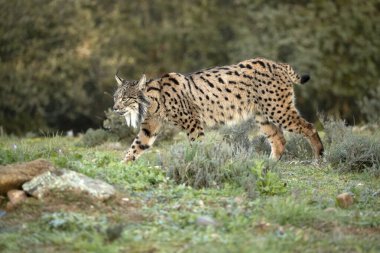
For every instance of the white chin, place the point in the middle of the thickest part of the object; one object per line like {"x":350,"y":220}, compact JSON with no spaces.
{"x":131,"y":119}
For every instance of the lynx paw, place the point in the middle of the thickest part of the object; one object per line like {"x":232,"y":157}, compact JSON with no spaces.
{"x":128,"y":159}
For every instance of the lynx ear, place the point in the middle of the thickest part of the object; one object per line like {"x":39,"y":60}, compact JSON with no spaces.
{"x":118,"y":79}
{"x":142,"y":82}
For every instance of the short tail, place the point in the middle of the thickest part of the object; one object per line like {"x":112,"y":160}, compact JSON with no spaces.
{"x":304,"y":78}
{"x":296,"y":78}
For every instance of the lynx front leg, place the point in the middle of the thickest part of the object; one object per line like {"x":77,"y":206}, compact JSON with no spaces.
{"x":194,"y":130}
{"x":147,"y":135}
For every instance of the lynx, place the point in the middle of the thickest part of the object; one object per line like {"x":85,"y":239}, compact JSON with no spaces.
{"x":257,"y":87}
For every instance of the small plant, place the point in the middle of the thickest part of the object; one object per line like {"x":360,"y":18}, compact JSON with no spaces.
{"x":268,"y":182}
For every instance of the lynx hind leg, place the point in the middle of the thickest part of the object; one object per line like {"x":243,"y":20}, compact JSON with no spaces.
{"x":147,"y":135}
{"x":295,"y":123}
{"x":274,"y":135}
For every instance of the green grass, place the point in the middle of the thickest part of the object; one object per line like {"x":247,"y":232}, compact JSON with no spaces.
{"x":257,"y":206}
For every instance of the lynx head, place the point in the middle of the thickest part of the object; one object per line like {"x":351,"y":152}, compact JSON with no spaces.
{"x":130,"y":101}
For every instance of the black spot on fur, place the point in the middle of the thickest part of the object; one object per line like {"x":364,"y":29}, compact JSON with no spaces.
{"x":146,"y":132}
{"x":144,"y":146}
{"x":174,"y":80}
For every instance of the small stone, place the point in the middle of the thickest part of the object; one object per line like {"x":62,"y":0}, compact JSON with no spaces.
{"x":345,"y":200}
{"x":330,"y":210}
{"x":16,"y":196}
{"x":206,"y":221}
{"x":280,"y":231}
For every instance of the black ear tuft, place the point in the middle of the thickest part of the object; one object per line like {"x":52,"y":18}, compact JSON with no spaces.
{"x":305,"y":78}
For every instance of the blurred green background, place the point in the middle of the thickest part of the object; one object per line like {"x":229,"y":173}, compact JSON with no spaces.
{"x":58,"y":58}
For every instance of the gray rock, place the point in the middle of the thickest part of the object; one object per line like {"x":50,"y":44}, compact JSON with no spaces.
{"x":206,"y":221}
{"x":64,"y":179}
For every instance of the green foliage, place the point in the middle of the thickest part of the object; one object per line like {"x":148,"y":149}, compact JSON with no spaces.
{"x":152,"y":213}
{"x":268,"y":182}
{"x":14,"y":150}
{"x":58,"y":59}
{"x":72,"y":222}
{"x":296,"y":212}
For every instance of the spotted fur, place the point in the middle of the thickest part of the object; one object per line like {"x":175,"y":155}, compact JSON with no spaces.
{"x":218,"y":95}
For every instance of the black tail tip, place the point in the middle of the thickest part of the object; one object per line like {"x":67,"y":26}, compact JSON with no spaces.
{"x":305,"y":78}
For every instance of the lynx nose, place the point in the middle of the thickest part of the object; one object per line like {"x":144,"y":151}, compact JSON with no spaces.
{"x":115,"y":108}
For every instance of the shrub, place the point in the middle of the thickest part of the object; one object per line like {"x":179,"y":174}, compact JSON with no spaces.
{"x":355,"y":153}
{"x":238,"y":135}
{"x":350,"y":151}
{"x":205,"y":164}
{"x":297,"y":147}
{"x":117,"y":126}
{"x":213,"y":164}
{"x":95,"y":137}
{"x":335,"y":130}
{"x":370,"y":106}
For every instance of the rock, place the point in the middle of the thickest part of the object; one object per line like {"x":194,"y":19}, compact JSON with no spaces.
{"x":16,"y":196}
{"x":206,"y":221}
{"x":64,"y":179}
{"x":12,"y":176}
{"x":330,"y":210}
{"x":345,"y":200}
